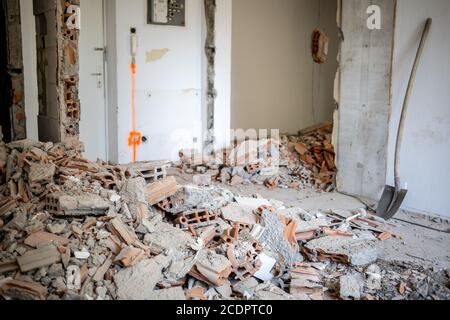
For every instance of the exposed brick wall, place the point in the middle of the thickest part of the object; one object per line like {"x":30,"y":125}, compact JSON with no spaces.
{"x":68,"y":73}
{"x":58,"y":72}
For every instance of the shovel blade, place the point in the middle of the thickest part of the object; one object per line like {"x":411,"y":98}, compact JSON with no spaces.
{"x":385,"y":202}
{"x":396,"y":203}
{"x":390,"y":202}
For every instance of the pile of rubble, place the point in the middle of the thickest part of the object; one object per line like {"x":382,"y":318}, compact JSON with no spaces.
{"x":302,"y":161}
{"x":74,"y":229}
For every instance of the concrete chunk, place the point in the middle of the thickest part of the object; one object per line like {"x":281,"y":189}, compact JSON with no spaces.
{"x":168,"y":238}
{"x":246,"y":288}
{"x":133,"y":193}
{"x":268,"y":291}
{"x":79,"y":205}
{"x":356,"y":252}
{"x":351,"y":286}
{"x":139,"y":282}
{"x":41,"y":173}
{"x":252,"y":203}
{"x":274,"y":240}
{"x":236,"y":213}
{"x":212,"y":268}
{"x":171,"y":294}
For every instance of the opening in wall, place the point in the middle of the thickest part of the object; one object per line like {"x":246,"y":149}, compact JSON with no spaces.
{"x":277,"y":81}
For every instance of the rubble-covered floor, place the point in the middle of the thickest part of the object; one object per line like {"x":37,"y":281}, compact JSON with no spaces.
{"x":421,"y":246}
{"x":75,"y":229}
{"x":420,"y":241}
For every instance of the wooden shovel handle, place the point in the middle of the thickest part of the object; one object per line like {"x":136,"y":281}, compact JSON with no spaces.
{"x":412,"y":79}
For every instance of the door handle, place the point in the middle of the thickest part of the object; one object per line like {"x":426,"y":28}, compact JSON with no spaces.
{"x":96,"y":74}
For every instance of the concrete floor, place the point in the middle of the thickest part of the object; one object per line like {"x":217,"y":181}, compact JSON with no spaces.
{"x":416,"y":242}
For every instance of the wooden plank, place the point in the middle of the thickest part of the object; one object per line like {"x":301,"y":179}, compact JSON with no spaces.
{"x":38,"y":258}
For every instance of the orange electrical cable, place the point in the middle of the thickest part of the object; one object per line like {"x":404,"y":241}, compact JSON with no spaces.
{"x":134,"y":139}
{"x":133,"y":95}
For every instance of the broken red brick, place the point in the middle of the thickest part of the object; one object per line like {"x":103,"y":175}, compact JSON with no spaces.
{"x":161,"y":190}
{"x":385,"y":236}
{"x":196,"y":293}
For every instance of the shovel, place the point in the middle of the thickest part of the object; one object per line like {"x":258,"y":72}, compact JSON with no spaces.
{"x":393,"y":197}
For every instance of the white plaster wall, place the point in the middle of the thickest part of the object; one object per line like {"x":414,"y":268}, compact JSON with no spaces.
{"x":29,"y":66}
{"x":324,"y":74}
{"x":168,"y":91}
{"x":426,"y":148}
{"x":170,"y":95}
{"x":275,"y":83}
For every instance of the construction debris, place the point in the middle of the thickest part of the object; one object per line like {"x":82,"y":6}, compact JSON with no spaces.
{"x":39,"y":258}
{"x":212,"y":268}
{"x":139,"y":282}
{"x":75,"y":229}
{"x":236,"y":213}
{"x":22,"y":290}
{"x":305,"y":160}
{"x":149,"y":171}
{"x":351,"y":286}
{"x":76,"y":205}
{"x":39,"y":239}
{"x":357,"y":252}
{"x":305,"y":280}
{"x":161,"y":190}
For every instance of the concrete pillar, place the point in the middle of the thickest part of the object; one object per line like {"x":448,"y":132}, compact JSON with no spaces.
{"x":364,"y":97}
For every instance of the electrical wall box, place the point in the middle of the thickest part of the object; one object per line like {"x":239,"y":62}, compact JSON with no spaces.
{"x":167,"y":12}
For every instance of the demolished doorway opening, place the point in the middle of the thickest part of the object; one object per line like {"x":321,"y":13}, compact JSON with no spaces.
{"x":275,"y":82}
{"x":58,"y":71}
{"x":278,"y":84}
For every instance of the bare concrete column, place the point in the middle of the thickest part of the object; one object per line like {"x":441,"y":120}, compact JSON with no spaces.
{"x":210,"y":50}
{"x":365,"y":97}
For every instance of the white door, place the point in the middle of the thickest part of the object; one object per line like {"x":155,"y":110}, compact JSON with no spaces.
{"x":93,"y":129}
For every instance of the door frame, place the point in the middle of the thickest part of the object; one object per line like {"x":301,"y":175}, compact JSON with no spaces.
{"x":110,"y":81}
{"x":101,"y":46}
{"x":105,"y":80}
